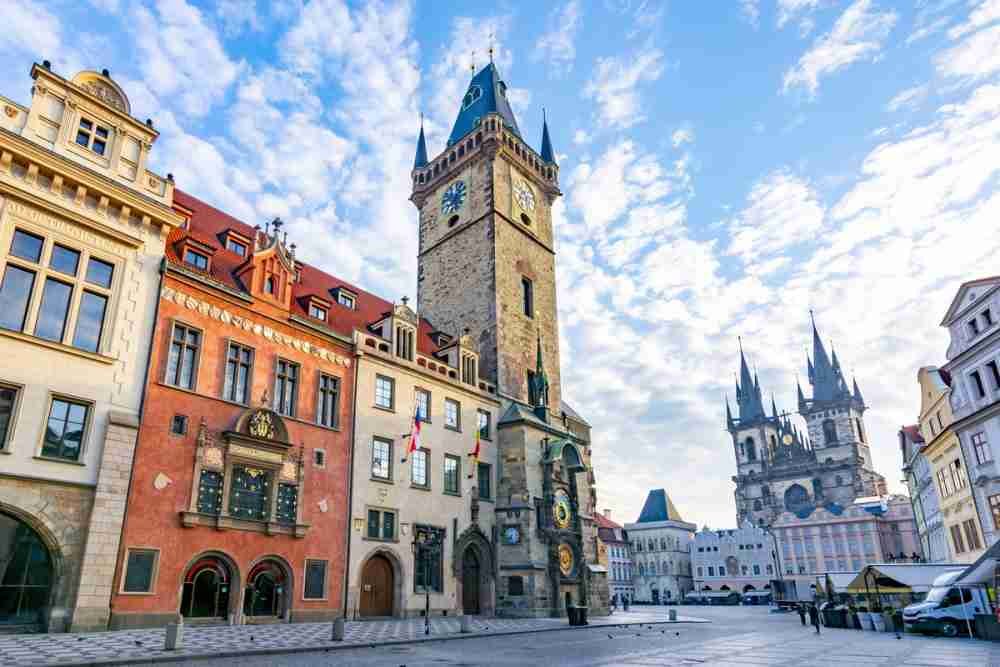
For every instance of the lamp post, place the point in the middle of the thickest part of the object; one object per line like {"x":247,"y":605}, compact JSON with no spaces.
{"x":425,"y":545}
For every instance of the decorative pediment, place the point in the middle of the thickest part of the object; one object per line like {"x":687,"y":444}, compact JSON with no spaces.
{"x":104,"y":89}
{"x":263,"y":424}
{"x":405,"y":313}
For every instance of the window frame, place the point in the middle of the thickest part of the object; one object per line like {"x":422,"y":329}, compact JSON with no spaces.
{"x":994,"y":502}
{"x":480,"y":413}
{"x":426,"y":455}
{"x":196,"y":253}
{"x":318,"y":309}
{"x":382,"y":511}
{"x":230,"y":344}
{"x":174,"y":420}
{"x":92,"y":136}
{"x":972,"y":535}
{"x":154,"y":575}
{"x":528,"y":297}
{"x":326,"y":579}
{"x":458,"y":475}
{"x":392,"y":392}
{"x":230,"y":241}
{"x":371,"y":459}
{"x":480,"y":466}
{"x":196,"y":363}
{"x":85,"y":431}
{"x":7,"y":439}
{"x":42,"y":271}
{"x":321,"y":392}
{"x":978,"y":384}
{"x":296,"y":382}
{"x":457,"y":426}
{"x":979,"y":444}
{"x":425,"y":392}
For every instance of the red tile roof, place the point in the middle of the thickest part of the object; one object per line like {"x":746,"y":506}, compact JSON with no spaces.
{"x":208,"y":225}
{"x":604,"y":522}
{"x":913,"y":431}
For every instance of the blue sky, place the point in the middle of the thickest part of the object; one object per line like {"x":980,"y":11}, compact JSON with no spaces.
{"x":726,"y":167}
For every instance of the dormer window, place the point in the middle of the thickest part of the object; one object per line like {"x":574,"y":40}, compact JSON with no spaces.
{"x":317,"y":312}
{"x":232,"y":245}
{"x":269,"y":285}
{"x":344,"y":297}
{"x":196,"y":259}
{"x":93,"y":136}
{"x":468,"y":369}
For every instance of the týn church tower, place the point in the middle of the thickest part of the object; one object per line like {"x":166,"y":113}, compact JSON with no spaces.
{"x":487,"y":265}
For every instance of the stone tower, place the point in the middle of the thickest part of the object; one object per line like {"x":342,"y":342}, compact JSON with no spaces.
{"x":487,"y":264}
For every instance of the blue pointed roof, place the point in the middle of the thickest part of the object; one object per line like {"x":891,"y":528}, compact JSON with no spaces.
{"x":748,"y":398}
{"x":825,"y":375}
{"x":486,"y":94}
{"x":421,"y":159}
{"x":547,"y":154}
{"x":658,"y":507}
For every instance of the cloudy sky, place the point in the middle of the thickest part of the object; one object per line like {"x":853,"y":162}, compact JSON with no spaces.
{"x":726,"y":166}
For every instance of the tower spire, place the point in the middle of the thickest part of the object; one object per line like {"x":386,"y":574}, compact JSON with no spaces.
{"x":420,"y":160}
{"x":548,"y":155}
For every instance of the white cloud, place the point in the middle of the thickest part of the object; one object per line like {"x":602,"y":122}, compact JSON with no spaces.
{"x":984,"y":14}
{"x":557,"y":46}
{"x":908,"y":98}
{"x":181,"y":56}
{"x":974,"y":59}
{"x":582,"y":137}
{"x":924,"y":31}
{"x":750,"y":10}
{"x":614,"y":86}
{"x":858,"y":34}
{"x":238,"y":15}
{"x":682,"y":135}
{"x":789,"y":10}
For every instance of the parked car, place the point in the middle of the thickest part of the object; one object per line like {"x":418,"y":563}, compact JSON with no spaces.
{"x":947,"y":609}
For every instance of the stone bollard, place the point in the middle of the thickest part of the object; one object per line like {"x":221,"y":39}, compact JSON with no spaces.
{"x":338,"y":629}
{"x":673,"y":614}
{"x":174,"y":639}
{"x":465,"y":623}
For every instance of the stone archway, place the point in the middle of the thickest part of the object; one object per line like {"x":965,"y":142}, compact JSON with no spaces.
{"x":210,"y":589}
{"x":267,"y":592}
{"x":380,"y":568}
{"x":54,"y":612}
{"x":474,"y":544}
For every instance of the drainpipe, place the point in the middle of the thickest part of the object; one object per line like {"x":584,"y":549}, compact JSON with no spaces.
{"x":350,"y":482}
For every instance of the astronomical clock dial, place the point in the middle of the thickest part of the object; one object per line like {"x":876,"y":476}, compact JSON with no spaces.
{"x":567,"y":561}
{"x":512,"y":535}
{"x":453,"y":198}
{"x":561,"y":509}
{"x":787,"y":439}
{"x":524,"y":195}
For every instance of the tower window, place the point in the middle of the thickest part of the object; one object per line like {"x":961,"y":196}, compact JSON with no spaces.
{"x":527,"y":296}
{"x":475,"y":92}
{"x":829,"y":432}
{"x":978,"y":381}
{"x":93,"y":136}
{"x":861,"y":429}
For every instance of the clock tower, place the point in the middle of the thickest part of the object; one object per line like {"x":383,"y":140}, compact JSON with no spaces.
{"x":486,"y":265}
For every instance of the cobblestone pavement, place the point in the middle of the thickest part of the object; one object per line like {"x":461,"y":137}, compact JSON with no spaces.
{"x":146,"y":645}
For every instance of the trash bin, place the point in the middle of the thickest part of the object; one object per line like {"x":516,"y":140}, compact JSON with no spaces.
{"x":577,"y":615}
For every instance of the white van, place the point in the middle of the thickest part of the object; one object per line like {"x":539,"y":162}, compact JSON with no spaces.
{"x":946,"y":609}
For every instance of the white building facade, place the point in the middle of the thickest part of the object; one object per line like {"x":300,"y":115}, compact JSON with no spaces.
{"x":919,"y":479}
{"x":661,"y":551}
{"x":617,"y":557}
{"x":739,"y":560}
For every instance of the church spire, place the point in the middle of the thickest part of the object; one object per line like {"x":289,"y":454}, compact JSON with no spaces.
{"x":421,"y":159}
{"x":802,"y":397}
{"x":487,"y":94}
{"x":749,"y":400}
{"x":823,"y":376}
{"x":547,"y":154}
{"x":857,"y":393}
{"x":730,"y":424}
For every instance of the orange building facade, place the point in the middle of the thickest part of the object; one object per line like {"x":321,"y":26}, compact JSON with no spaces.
{"x":238,"y":508}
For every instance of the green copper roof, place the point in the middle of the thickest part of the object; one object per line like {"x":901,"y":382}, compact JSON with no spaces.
{"x":486,"y":94}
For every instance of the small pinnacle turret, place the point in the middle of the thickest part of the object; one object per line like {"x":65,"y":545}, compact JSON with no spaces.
{"x":421,"y":158}
{"x":547,"y":154}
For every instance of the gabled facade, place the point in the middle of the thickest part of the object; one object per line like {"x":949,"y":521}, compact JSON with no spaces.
{"x":82,"y":229}
{"x":615,"y":553}
{"x":738,"y":561}
{"x":974,"y":367}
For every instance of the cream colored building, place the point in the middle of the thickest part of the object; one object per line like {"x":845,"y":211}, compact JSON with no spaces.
{"x":948,"y":467}
{"x":82,"y":230}
{"x":395,"y":504}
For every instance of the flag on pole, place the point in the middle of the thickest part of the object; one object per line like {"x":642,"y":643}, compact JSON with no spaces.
{"x":414,"y":436}
{"x":474,"y":454}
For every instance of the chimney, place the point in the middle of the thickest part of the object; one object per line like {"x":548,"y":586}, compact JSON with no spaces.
{"x":607,"y":514}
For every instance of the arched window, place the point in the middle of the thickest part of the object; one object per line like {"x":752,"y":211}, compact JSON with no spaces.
{"x":818,"y":487}
{"x":751,"y":450}
{"x":757,"y":506}
{"x":663,"y":543}
{"x":829,"y":431}
{"x":796,"y":498}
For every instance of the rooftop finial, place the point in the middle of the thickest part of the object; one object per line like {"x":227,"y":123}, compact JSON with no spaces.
{"x":492,"y":35}
{"x":472,"y":65}
{"x":405,"y":300}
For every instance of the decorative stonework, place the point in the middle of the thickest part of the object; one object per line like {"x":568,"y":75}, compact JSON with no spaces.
{"x":249,"y":326}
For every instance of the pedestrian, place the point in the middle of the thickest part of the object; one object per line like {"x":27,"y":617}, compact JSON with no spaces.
{"x":614,"y":603}
{"x":625,"y":603}
{"x":802,"y":614}
{"x":814,"y":617}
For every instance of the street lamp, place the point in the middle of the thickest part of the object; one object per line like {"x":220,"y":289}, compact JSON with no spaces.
{"x":425,"y":545}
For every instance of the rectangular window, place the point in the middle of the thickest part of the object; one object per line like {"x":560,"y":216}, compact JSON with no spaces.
{"x":452,"y":414}
{"x":978,"y":382}
{"x":381,"y":525}
{"x":182,"y":361}
{"x":54,"y":311}
{"x":381,"y":458}
{"x":418,"y":468}
{"x":286,"y":387}
{"x":65,"y":429}
{"x":981,"y":448}
{"x":943,"y":483}
{"x":527,"y":297}
{"x":972,"y":535}
{"x":452,"y":474}
{"x":288,"y":503}
{"x":250,"y":494}
{"x":27,"y":246}
{"x":140,"y":569}
{"x":484,"y":424}
{"x":711,"y":570}
{"x":485,"y":481}
{"x":404,"y":343}
{"x":995,"y":509}
{"x":957,"y":476}
{"x":90,"y":321}
{"x":64,"y":260}
{"x":988,"y":318}
{"x":427,"y":560}
{"x":515,"y":585}
{"x":329,"y":401}
{"x":210,"y":492}
{"x":317,"y":312}
{"x":469,"y":370}
{"x":315,"y":586}
{"x":423,"y":399}
{"x":93,"y":136}
{"x":239,"y":371}
{"x":973,"y":327}
{"x":15,"y":294}
{"x":196,"y":259}
{"x":385,"y":390}
{"x":179,"y":425}
{"x":956,"y":538}
{"x":345,"y":300}
{"x":756,"y":570}
{"x":8,"y":403}
{"x":994,"y":374}
{"x":235,"y":246}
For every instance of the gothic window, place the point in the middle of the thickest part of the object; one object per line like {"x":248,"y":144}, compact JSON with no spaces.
{"x":829,"y":431}
{"x":757,"y":506}
{"x":751,"y":450}
{"x":796,"y":498}
{"x":817,"y":488}
{"x":861,"y":429}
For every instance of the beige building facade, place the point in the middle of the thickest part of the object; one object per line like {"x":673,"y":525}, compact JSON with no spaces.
{"x":82,"y":230}
{"x":422,"y":522}
{"x":948,"y":467}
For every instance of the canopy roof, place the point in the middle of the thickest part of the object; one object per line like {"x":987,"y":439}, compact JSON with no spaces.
{"x":897,"y":578}
{"x":981,"y":572}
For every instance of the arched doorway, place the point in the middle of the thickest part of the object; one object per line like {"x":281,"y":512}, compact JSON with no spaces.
{"x":25,"y":574}
{"x":206,"y":589}
{"x":377,"y":587}
{"x":470,"y":582}
{"x":266,"y":591}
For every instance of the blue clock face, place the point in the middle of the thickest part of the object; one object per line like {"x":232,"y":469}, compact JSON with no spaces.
{"x":512,"y":534}
{"x":453,"y":198}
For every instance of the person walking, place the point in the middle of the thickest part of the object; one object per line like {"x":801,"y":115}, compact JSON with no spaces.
{"x":802,"y":614}
{"x":814,"y":617}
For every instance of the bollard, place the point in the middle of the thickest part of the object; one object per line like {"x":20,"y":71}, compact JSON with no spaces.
{"x":673,"y":614}
{"x":338,"y":629}
{"x":174,"y":639}
{"x":465,"y":623}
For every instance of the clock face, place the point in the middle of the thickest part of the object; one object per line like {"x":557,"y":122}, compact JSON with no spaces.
{"x":566,"y":560}
{"x":561,"y":509}
{"x":512,"y":535}
{"x":787,"y":439}
{"x":524,"y":195}
{"x":453,"y":198}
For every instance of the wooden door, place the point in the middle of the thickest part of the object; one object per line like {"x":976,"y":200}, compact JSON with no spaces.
{"x":377,"y":587}
{"x":470,"y":582}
